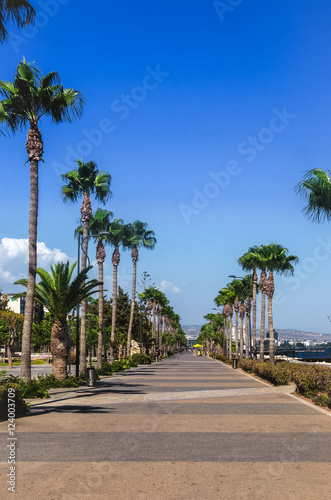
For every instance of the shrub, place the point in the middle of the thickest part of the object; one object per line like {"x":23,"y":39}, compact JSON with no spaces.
{"x":21,"y":407}
{"x":141,"y":359}
{"x":106,"y":369}
{"x":224,"y":359}
{"x":50,"y":382}
{"x":312,"y":380}
{"x":279,"y":374}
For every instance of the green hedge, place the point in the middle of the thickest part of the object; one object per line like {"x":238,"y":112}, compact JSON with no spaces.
{"x":312,"y":381}
{"x":279,"y":374}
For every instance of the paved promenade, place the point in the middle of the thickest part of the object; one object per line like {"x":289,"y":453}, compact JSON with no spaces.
{"x":184,"y":429}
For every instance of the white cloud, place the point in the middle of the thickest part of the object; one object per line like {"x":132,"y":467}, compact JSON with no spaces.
{"x":169,"y":287}
{"x":14,"y":260}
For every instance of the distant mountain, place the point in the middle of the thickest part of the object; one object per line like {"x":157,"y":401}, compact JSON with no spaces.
{"x":192,"y":331}
{"x":299,"y":335}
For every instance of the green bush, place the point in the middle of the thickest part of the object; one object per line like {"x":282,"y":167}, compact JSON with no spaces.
{"x":224,"y":359}
{"x":50,"y":382}
{"x":141,"y":358}
{"x":106,"y":369}
{"x":279,"y":374}
{"x":312,"y":380}
{"x":21,"y":407}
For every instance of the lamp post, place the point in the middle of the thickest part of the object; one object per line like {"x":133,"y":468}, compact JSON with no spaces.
{"x":249,"y":321}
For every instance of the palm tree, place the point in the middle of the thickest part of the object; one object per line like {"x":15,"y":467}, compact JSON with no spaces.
{"x":247,"y":282}
{"x":18,"y":11}
{"x":251,"y":261}
{"x":281,"y":263}
{"x":83,"y":182}
{"x":117,"y":236}
{"x":157,"y":298}
{"x":138,"y":236}
{"x":98,"y":227}
{"x":60,"y":294}
{"x":236,"y":286}
{"x":227,"y":298}
{"x":316,"y":188}
{"x":257,"y":258}
{"x":26,"y":101}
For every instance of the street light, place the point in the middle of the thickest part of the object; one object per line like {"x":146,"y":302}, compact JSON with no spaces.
{"x":249,"y":320}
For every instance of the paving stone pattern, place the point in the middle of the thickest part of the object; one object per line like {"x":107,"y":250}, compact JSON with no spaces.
{"x":186,"y":428}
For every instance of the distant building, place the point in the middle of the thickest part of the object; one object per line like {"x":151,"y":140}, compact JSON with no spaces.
{"x":275,"y":335}
{"x":18,"y":306}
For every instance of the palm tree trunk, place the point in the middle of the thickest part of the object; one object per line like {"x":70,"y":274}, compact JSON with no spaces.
{"x":247,"y":336}
{"x":82,"y":359}
{"x":230,"y":337}
{"x":242,"y":316}
{"x":9,"y":352}
{"x":59,"y":348}
{"x":100,"y":256}
{"x":134,"y":256}
{"x":270,"y":292}
{"x":25,"y":371}
{"x":236,"y":334}
{"x":254,"y":279}
{"x":241,"y":338}
{"x":154,"y":327}
{"x":262,"y":331}
{"x":115,"y":261}
{"x":224,"y":336}
{"x":100,"y":329}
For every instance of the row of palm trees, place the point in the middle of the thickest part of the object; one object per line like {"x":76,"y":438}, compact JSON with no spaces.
{"x":82,"y":183}
{"x":240,"y":296}
{"x":26,"y":100}
{"x":165,"y":323}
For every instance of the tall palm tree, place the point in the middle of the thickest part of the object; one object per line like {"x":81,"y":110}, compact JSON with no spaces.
{"x":257,"y":258}
{"x":117,"y":237}
{"x":31,"y":96}
{"x":227,"y":298}
{"x":236,"y":286}
{"x":316,"y":188}
{"x":18,"y":11}
{"x":247,"y":282}
{"x":138,"y":236}
{"x":277,"y":261}
{"x":242,"y":311}
{"x":83,"y":182}
{"x":251,"y":261}
{"x":59,"y":293}
{"x":157,"y":298}
{"x":99,"y":224}
{"x":98,"y":227}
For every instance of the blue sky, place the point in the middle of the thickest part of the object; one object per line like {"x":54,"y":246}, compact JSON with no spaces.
{"x":206,"y":114}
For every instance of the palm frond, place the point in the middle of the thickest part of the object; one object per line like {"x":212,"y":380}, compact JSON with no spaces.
{"x":18,"y":11}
